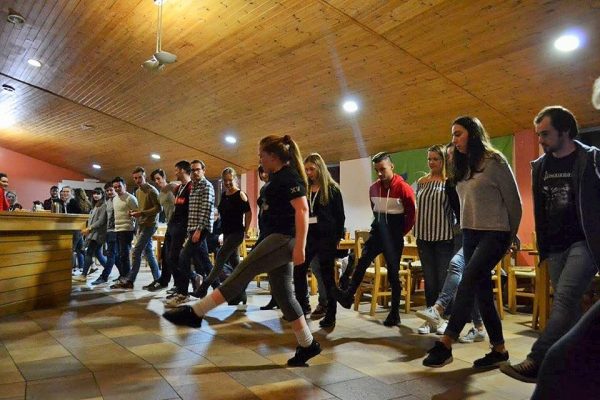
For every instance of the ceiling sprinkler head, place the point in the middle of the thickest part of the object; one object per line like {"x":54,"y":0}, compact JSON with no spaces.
{"x":14,"y":17}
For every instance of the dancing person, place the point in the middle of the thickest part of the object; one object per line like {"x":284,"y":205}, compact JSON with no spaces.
{"x":283,"y":239}
{"x":325,"y":229}
{"x":393,"y":204}
{"x":490,"y":215}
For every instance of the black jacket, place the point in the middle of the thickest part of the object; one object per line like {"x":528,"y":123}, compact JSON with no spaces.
{"x":586,"y":183}
{"x":331,"y":218}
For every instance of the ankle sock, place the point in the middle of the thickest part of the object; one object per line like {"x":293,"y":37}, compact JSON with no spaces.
{"x":302,"y":332}
{"x":202,"y":307}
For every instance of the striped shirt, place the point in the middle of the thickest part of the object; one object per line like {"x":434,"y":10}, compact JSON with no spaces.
{"x":201,"y":206}
{"x":434,"y":216}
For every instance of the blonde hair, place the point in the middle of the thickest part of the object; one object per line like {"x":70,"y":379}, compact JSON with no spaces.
{"x":440,"y":150}
{"x":284,"y":148}
{"x":326,"y":182}
{"x":230,"y":171}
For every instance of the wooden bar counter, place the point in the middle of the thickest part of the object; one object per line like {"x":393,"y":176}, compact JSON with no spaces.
{"x":35,"y":259}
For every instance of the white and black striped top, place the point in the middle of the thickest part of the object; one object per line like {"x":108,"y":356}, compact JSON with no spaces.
{"x":434,"y":215}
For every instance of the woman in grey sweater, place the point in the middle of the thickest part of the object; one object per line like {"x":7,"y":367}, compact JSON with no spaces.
{"x":490,"y":213}
{"x":95,"y":234}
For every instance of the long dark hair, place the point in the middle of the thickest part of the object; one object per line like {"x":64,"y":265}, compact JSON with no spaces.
{"x":99,"y":191}
{"x":478,"y":148}
{"x":287,"y":151}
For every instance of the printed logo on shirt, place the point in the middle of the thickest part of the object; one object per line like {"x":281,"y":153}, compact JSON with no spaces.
{"x":557,"y":175}
{"x":295,"y":189}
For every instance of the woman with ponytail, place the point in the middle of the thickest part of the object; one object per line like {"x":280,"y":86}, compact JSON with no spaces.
{"x":285,"y":225}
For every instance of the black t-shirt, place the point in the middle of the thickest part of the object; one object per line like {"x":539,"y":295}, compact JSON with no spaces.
{"x":278,"y":215}
{"x":182,"y":204}
{"x":231,"y":210}
{"x":558,"y":196}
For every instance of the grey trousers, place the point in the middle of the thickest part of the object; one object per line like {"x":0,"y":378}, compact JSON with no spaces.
{"x":272,"y":255}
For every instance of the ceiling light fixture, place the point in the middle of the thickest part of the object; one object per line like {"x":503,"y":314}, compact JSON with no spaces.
{"x":350,"y":106}
{"x":7,"y":88}
{"x":14,"y":17}
{"x":230,"y":139}
{"x":160,"y":58}
{"x":567,"y":42}
{"x":155,"y":156}
{"x":96,"y":166}
{"x":34,"y":63}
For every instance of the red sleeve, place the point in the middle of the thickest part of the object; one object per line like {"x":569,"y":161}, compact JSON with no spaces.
{"x":408,"y":201}
{"x":4,"y":206}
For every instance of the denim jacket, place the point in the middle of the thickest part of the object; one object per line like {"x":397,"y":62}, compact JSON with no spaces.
{"x":586,"y":183}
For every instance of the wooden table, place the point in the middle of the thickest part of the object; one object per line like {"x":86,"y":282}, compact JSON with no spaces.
{"x":160,"y":239}
{"x":36,"y":251}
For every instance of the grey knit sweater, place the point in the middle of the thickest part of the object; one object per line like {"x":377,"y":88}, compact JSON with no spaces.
{"x":490,"y":199}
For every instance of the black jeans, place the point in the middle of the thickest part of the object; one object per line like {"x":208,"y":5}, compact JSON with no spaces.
{"x":435,"y":257}
{"x":174,"y":238}
{"x":483,"y":250}
{"x":389,"y":240}
{"x":125,"y":238}
{"x":325,"y":249}
{"x":197,"y":251}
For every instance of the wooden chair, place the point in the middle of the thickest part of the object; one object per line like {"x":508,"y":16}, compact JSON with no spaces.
{"x":515,"y":274}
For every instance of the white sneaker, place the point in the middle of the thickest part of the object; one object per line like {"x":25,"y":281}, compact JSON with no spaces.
{"x":474,"y":335}
{"x":431,"y":315}
{"x":176,"y":301}
{"x":424,"y":329}
{"x":79,"y":278}
{"x":441,"y":328}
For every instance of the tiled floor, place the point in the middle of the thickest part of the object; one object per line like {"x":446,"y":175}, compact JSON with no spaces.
{"x":114,"y":345}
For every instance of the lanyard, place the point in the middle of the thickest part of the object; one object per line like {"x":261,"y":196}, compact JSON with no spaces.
{"x":312,"y":199}
{"x":181,"y":189}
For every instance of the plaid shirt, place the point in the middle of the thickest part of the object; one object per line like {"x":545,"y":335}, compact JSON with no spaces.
{"x":202,"y":206}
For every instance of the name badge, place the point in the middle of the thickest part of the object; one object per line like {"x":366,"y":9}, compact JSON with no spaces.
{"x":312,"y":220}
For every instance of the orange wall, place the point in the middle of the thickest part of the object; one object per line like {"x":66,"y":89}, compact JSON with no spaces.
{"x":526,"y":150}
{"x":31,"y":178}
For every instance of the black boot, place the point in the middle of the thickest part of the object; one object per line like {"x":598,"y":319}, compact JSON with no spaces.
{"x":393,"y":318}
{"x":242,"y":298}
{"x":345,"y":298}
{"x":202,"y":290}
{"x":270,"y":305}
{"x":184,"y":316}
{"x":329,"y":320}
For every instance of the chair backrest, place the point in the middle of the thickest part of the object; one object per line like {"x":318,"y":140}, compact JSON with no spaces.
{"x":243,"y":249}
{"x":361,"y":237}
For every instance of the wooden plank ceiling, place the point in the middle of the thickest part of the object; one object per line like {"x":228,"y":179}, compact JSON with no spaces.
{"x":274,"y":67}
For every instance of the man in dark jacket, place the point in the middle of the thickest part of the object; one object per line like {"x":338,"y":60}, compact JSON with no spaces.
{"x":566,"y":195}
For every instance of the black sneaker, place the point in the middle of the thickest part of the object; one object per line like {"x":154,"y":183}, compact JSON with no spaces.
{"x":201,"y":291}
{"x":491,"y":360}
{"x":154,"y":286}
{"x":526,"y":371}
{"x":303,"y":354}
{"x":122,"y":285}
{"x":319,"y":312}
{"x":184,"y":316}
{"x":439,"y":355}
{"x":392,"y":319}
{"x":345,"y":298}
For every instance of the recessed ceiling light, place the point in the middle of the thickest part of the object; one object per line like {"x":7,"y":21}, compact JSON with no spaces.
{"x":34,"y":63}
{"x":567,"y":42}
{"x":230,"y":139}
{"x":350,"y":106}
{"x":7,"y":88}
{"x":96,"y":166}
{"x":155,"y":156}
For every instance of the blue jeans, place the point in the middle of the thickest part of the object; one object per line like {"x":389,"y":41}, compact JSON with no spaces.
{"x":569,"y":370}
{"x":453,"y":278}
{"x":112,"y":255}
{"x":143,"y":244}
{"x":435,"y":257}
{"x":483,"y":250}
{"x":125,"y":238}
{"x":78,"y":251}
{"x":571,"y":272}
{"x":94,"y":249}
